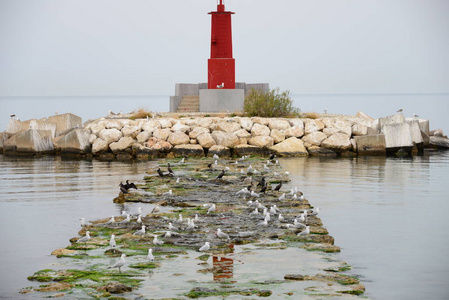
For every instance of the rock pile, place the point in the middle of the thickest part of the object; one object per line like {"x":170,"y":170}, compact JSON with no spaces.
{"x":199,"y":136}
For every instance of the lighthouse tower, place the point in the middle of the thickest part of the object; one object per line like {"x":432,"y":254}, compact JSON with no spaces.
{"x":221,"y":65}
{"x":221,"y":93}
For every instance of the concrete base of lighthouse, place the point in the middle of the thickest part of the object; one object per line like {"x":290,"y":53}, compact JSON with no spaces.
{"x":221,"y":100}
{"x":212,"y":100}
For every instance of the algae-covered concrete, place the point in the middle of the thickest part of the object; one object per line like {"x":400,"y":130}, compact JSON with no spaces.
{"x":266,"y":249}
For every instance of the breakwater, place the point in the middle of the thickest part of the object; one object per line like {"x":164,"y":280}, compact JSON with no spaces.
{"x":298,"y":260}
{"x":125,"y":137}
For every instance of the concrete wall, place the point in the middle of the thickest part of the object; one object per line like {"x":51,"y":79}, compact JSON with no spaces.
{"x":221,"y":100}
{"x":191,"y":89}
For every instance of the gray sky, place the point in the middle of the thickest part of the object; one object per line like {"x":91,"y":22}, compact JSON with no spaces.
{"x":111,"y":47}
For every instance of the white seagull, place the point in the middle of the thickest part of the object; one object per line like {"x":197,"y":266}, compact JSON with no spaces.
{"x":205,"y":247}
{"x":156,"y":241}
{"x":150,"y":255}
{"x":305,"y":232}
{"x":211,"y":208}
{"x":83,"y":222}
{"x":221,"y":234}
{"x":112,"y":241}
{"x":119,"y":264}
{"x":111,"y":220}
{"x":84,"y":238}
{"x":140,"y":232}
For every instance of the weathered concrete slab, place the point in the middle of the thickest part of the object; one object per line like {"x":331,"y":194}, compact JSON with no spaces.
{"x":395,"y":119}
{"x":4,"y":136}
{"x":43,"y":125}
{"x":221,"y":100}
{"x":439,"y":142}
{"x":415,"y":132}
{"x":424,"y":124}
{"x":75,"y":141}
{"x":14,"y":126}
{"x":362,"y":115}
{"x":30,"y":141}
{"x":65,"y":121}
{"x":397,"y":135}
{"x":371,"y":144}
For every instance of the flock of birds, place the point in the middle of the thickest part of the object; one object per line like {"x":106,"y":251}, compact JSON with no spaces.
{"x":251,"y":194}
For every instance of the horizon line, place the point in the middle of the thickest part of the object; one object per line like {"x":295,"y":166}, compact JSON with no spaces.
{"x":297,"y":94}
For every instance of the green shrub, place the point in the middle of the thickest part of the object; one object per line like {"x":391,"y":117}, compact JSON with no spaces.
{"x":270,"y":104}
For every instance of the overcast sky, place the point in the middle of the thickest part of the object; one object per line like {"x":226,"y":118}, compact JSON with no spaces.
{"x":137,"y":47}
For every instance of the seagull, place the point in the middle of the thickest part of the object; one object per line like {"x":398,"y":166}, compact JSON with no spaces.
{"x":156,"y":209}
{"x":150,"y":255}
{"x":119,"y":264}
{"x":220,"y":86}
{"x":190,"y":224}
{"x":305,"y":232}
{"x":111,"y":220}
{"x":273,"y":210}
{"x":139,"y":220}
{"x":254,"y":212}
{"x":179,"y":221}
{"x":171,"y":227}
{"x":84,"y":238}
{"x":314,"y":212}
{"x":400,"y":110}
{"x":216,"y":157}
{"x":205,"y":247}
{"x":140,"y":232}
{"x":264,"y":222}
{"x":197,"y":219}
{"x":126,"y":221}
{"x":169,"y":193}
{"x":302,"y":217}
{"x":183,"y":160}
{"x":415,"y":116}
{"x":156,"y":241}
{"x":83,"y":223}
{"x":250,"y":169}
{"x":298,"y":224}
{"x":282,"y":197}
{"x":211,"y":208}
{"x":221,"y":234}
{"x":124,"y":213}
{"x":168,"y":234}
{"x":281,"y":218}
{"x":178,"y":180}
{"x":254,"y":194}
{"x":112,"y":241}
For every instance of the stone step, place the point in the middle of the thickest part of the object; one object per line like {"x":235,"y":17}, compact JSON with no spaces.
{"x":189,"y":103}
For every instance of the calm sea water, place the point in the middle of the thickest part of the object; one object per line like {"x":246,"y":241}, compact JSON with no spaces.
{"x":388,"y":215}
{"x":433,"y":107}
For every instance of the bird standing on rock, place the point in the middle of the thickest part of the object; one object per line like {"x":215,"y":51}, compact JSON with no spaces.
{"x":160,"y":172}
{"x":150,"y":255}
{"x":112,"y":242}
{"x":170,"y":170}
{"x":278,"y":187}
{"x":119,"y":264}
{"x":221,"y":234}
{"x":221,"y":174}
{"x":85,"y":238}
{"x":211,"y":208}
{"x":205,"y":247}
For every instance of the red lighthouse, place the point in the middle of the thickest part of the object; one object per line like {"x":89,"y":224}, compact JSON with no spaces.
{"x":221,"y":65}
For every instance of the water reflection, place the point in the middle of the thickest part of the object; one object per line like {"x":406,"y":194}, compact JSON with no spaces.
{"x":223,"y":268}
